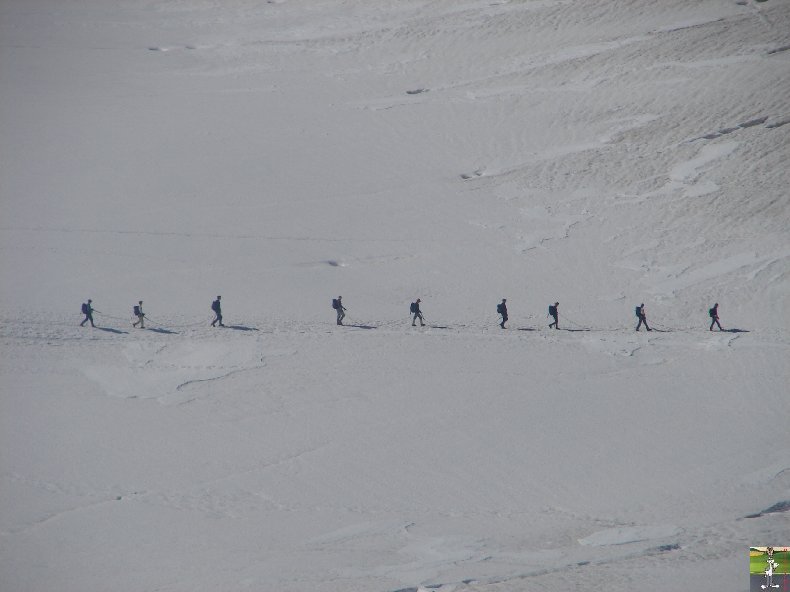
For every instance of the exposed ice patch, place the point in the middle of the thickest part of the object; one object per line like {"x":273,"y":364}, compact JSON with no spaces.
{"x":167,"y":48}
{"x":629,"y":534}
{"x":689,"y":24}
{"x":777,"y":508}
{"x":360,"y":531}
{"x":778,"y":123}
{"x":739,"y":126}
{"x":472,"y":175}
{"x":665,"y":548}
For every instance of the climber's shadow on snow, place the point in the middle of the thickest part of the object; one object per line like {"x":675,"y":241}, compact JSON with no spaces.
{"x":527,"y":329}
{"x":362,"y":326}
{"x":111,"y":330}
{"x":163,"y":331}
{"x":241,"y":328}
{"x":735,"y":331}
{"x":576,"y":330}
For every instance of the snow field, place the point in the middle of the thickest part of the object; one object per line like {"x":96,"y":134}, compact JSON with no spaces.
{"x":287,"y":152}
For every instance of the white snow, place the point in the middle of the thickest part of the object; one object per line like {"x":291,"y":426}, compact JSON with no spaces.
{"x":282,"y":153}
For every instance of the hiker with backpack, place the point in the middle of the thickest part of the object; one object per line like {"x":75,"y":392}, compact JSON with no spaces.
{"x":640,"y":314}
{"x":714,"y":317}
{"x":337,"y":304}
{"x":217,"y":308}
{"x":87,"y":310}
{"x":414,"y":308}
{"x":501,"y":309}
{"x":554,"y":313}
{"x":137,"y":311}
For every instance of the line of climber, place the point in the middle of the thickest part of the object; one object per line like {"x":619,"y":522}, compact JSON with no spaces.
{"x":414,"y":310}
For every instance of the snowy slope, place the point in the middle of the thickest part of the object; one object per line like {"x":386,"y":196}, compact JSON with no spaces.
{"x":602,"y":154}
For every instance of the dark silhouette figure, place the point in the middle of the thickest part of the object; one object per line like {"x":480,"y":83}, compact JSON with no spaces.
{"x":714,"y":317}
{"x":217,"y":308}
{"x":87,"y":310}
{"x":415,"y":310}
{"x":501,"y":308}
{"x":337,"y":304}
{"x":640,"y":314}
{"x":554,"y":312}
{"x":138,"y":312}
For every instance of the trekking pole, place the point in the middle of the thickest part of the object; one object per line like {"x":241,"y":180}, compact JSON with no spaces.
{"x":358,"y":322}
{"x":171,"y":326}
{"x":152,"y":321}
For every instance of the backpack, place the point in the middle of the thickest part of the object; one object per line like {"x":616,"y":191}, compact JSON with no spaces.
{"x":638,"y":311}
{"x":712,"y":312}
{"x":136,"y":311}
{"x":553,"y":310}
{"x":84,"y":308}
{"x":335,"y":303}
{"x":499,"y":308}
{"x":215,"y":305}
{"x":413,"y":307}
